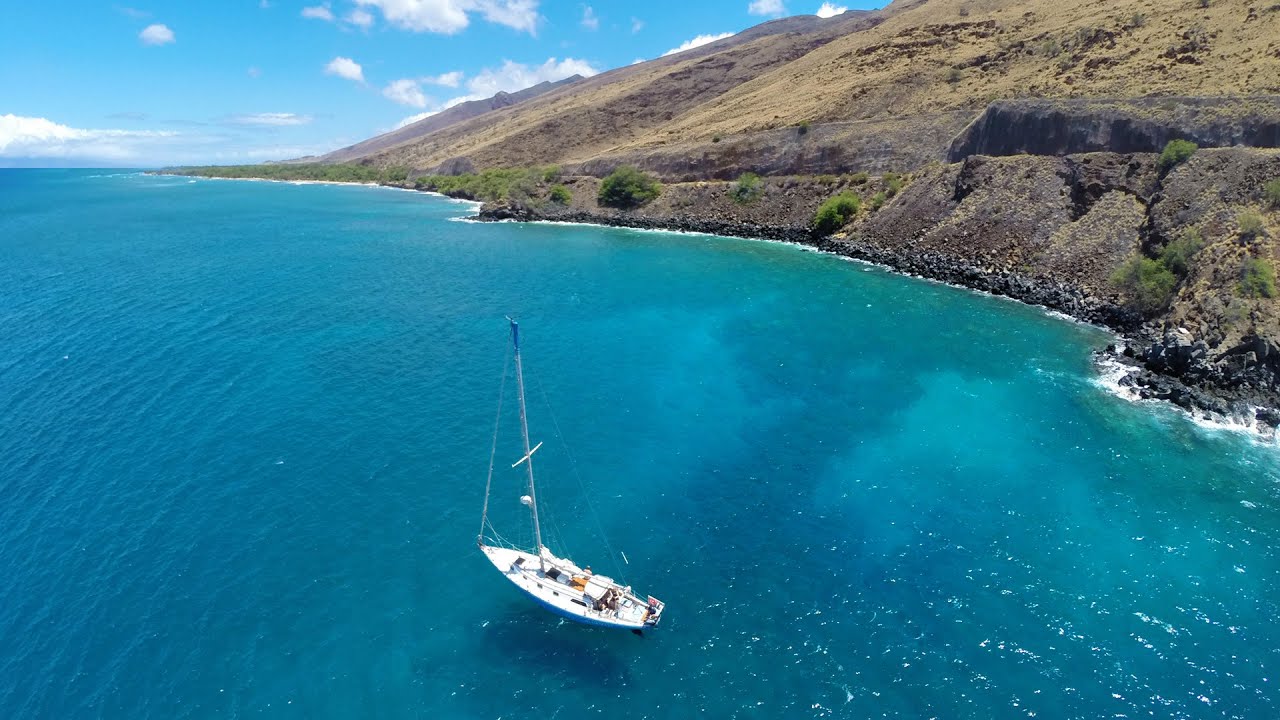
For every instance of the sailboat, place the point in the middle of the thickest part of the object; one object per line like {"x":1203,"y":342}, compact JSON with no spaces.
{"x":557,"y":583}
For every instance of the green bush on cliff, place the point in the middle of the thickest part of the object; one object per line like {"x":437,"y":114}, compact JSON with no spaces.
{"x":1147,"y":283}
{"x":1178,"y":253}
{"x":878,"y":200}
{"x":1177,"y":152}
{"x":1271,"y":193}
{"x":836,"y":212}
{"x":1250,"y":224}
{"x":1258,"y":279}
{"x":893,"y":183}
{"x":560,"y":195}
{"x":627,"y":188}
{"x":747,"y":189}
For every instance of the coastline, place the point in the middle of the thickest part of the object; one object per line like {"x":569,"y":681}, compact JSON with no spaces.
{"x":1218,"y":407}
{"x":1218,"y":400}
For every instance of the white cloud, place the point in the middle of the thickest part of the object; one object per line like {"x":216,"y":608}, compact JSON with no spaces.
{"x":360,"y":17}
{"x":766,"y":7}
{"x":698,"y":41}
{"x":449,"y":79}
{"x":636,"y":25}
{"x":513,"y":76}
{"x":415,"y":118}
{"x":156,"y":34}
{"x":828,"y":10}
{"x":255,"y":72}
{"x":318,"y":12}
{"x":517,"y":14}
{"x":589,"y":19}
{"x":452,"y":16}
{"x":35,"y":137}
{"x":134,"y":13}
{"x":405,"y":92}
{"x":345,"y":68}
{"x":269,"y":119}
{"x":36,"y":141}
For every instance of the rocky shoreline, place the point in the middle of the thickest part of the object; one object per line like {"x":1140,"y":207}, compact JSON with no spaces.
{"x":1167,"y":366}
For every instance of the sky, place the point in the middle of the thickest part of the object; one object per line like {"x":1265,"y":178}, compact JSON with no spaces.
{"x":166,"y":82}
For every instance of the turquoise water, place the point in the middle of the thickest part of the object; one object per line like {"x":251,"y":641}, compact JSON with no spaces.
{"x":244,"y":431}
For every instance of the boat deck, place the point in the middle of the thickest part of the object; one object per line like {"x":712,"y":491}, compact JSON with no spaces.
{"x":574,"y":592}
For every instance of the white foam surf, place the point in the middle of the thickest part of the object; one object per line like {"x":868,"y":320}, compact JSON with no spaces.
{"x":1111,"y":373}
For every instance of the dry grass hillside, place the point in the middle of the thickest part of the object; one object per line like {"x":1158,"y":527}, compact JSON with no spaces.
{"x":938,"y":55}
{"x":620,"y":106}
{"x":912,"y":61}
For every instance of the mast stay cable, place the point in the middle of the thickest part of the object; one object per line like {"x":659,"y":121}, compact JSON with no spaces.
{"x":493,"y":452}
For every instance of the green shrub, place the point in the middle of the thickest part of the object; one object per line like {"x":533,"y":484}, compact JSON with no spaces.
{"x":826,"y":179}
{"x":1258,"y":279}
{"x":627,"y":188}
{"x":1271,"y":193}
{"x":1138,"y":20}
{"x":715,"y":138}
{"x":954,"y":75}
{"x":1050,"y":48}
{"x":878,"y":200}
{"x":560,"y":195}
{"x":1178,"y":253}
{"x":551,"y":174}
{"x":337,"y":172}
{"x":1250,"y":224}
{"x":893,"y":183}
{"x":836,"y":212}
{"x":1176,"y":152}
{"x":488,"y":185}
{"x":1148,"y":283}
{"x":803,"y":127}
{"x":747,"y":189}
{"x":859,"y":178}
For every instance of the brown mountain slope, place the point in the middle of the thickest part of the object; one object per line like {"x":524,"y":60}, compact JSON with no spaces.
{"x":452,"y":116}
{"x":894,"y":85}
{"x":1009,"y":49}
{"x":595,"y":115}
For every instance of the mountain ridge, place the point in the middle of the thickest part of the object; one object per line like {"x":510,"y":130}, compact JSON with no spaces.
{"x":458,"y":113}
{"x":926,"y":58}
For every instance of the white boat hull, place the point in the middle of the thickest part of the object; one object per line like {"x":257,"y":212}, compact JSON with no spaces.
{"x":566,"y":590}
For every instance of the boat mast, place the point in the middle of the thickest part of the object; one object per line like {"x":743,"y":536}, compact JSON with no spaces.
{"x":524,"y":433}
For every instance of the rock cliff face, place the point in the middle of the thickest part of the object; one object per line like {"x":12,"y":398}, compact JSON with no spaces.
{"x":1141,"y":125}
{"x":1049,"y":231}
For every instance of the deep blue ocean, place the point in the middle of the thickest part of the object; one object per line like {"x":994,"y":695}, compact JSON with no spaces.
{"x":245,"y":429}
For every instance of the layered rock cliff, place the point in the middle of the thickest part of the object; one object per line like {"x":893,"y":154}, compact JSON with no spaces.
{"x":1064,"y":127}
